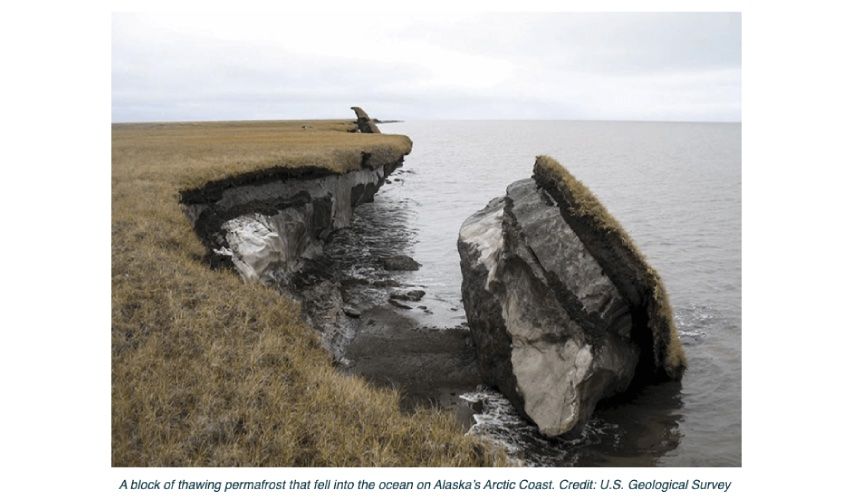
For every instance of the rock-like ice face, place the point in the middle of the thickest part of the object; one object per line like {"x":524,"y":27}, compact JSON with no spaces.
{"x":252,"y":244}
{"x":258,"y":244}
{"x":564,"y":258}
{"x":551,"y":365}
{"x":551,"y":329}
{"x":483,"y":233}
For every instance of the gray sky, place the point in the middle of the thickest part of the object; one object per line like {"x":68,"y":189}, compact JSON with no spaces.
{"x":488,"y":66}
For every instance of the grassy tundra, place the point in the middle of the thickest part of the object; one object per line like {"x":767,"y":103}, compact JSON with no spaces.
{"x":210,"y":371}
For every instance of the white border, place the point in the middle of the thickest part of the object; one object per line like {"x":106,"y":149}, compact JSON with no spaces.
{"x":56,"y":320}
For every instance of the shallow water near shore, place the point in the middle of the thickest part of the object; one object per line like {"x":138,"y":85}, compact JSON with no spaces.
{"x":675,"y":187}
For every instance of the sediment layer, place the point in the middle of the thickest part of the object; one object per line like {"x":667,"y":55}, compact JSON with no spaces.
{"x":263,"y":225}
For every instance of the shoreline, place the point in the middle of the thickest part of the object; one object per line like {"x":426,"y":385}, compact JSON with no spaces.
{"x":284,"y":228}
{"x":362,"y":346}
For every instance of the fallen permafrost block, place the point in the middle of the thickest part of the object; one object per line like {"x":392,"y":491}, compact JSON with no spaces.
{"x":365,"y":124}
{"x":563,"y":308}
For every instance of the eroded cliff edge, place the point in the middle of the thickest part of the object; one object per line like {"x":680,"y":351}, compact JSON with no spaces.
{"x":265,"y":222}
{"x":269,"y":223}
{"x":563,"y":308}
{"x":209,"y":371}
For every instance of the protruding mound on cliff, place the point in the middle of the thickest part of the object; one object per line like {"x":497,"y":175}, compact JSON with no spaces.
{"x":563,"y":309}
{"x":365,"y":124}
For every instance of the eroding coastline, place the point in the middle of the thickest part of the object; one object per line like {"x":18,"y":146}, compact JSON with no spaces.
{"x":271,"y":229}
{"x":288,"y":229}
{"x":208,"y":370}
{"x":291,"y":230}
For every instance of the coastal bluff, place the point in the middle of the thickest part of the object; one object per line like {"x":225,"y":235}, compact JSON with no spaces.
{"x":210,"y":370}
{"x":270,"y":225}
{"x":563,"y":308}
{"x":264,"y":222}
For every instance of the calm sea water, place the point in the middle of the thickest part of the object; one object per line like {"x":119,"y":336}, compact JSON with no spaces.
{"x":676,"y":188}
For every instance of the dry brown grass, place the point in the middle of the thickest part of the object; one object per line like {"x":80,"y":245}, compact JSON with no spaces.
{"x":206,"y":151}
{"x":586,"y":206}
{"x":208,"y":370}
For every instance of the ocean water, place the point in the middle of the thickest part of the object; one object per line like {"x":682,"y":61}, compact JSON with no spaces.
{"x":676,"y":188}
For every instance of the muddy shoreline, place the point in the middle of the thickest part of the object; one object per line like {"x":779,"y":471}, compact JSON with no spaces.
{"x":296,"y":230}
{"x":367,"y":312}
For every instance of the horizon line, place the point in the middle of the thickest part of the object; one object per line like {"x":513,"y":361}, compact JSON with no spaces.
{"x":390,"y":121}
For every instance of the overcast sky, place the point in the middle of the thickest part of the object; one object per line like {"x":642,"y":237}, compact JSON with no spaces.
{"x":494,"y":66}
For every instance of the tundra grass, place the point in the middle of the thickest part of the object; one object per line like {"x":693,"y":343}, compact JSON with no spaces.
{"x":210,"y":371}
